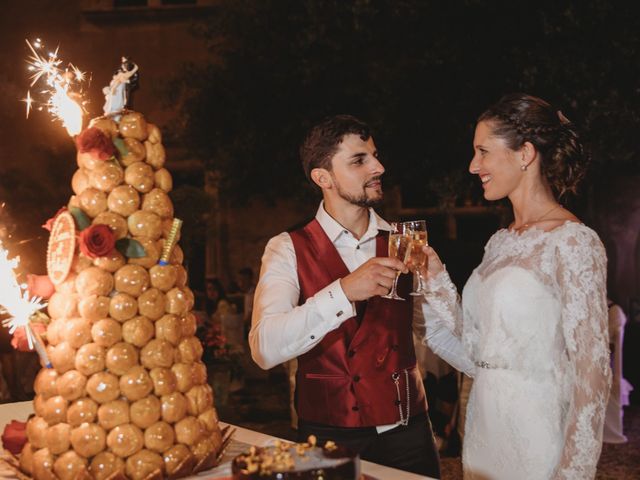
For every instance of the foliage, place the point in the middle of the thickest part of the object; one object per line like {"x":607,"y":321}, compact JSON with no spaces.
{"x":418,"y":71}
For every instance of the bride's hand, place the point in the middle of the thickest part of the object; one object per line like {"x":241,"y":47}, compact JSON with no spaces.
{"x":434,"y":264}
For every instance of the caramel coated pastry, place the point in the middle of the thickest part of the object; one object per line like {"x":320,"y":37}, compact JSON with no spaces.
{"x":163,"y":180}
{"x":94,"y":307}
{"x":106,"y":176}
{"x":90,"y":358}
{"x":62,"y":356}
{"x":177,"y":301}
{"x":203,"y":448}
{"x":133,"y":125}
{"x":199,"y":370}
{"x":157,"y":353}
{"x":80,"y":181}
{"x":190,"y":350}
{"x":39,"y":405}
{"x":132,"y":279}
{"x":124,"y":200}
{"x":80,"y":262}
{"x":26,"y":459}
{"x":138,"y":331}
{"x":136,"y":384}
{"x":135,"y":152}
{"x":178,"y":461}
{"x":156,"y":156}
{"x":88,"y":439}
{"x":69,"y":466}
{"x":77,"y":331}
{"x":45,"y":383}
{"x":159,"y":437}
{"x":189,"y":324}
{"x":140,"y":176}
{"x":92,"y":201}
{"x":181,"y":276}
{"x":164,"y":381}
{"x":151,"y":250}
{"x":55,"y":410}
{"x":189,"y":430}
{"x":145,"y":412}
{"x":94,"y":281}
{"x":177,"y":256}
{"x":154,"y":135}
{"x":151,"y":303}
{"x":114,"y":221}
{"x":169,"y":328}
{"x":43,"y":465}
{"x":184,"y":376}
{"x":209,"y":419}
{"x":163,"y":277}
{"x":106,"y":464}
{"x":122,"y":307}
{"x":190,"y":297}
{"x":106,"y":333}
{"x":145,"y":224}
{"x":167,"y":225}
{"x":81,"y":411}
{"x":112,"y":414}
{"x":71,"y":385}
{"x":125,"y":440}
{"x":103,"y":387}
{"x":110,"y":262}
{"x":199,"y":399}
{"x":121,"y":358}
{"x":63,"y":305}
{"x":57,"y":438}
{"x":143,"y":464}
{"x":87,"y":160}
{"x":55,"y":331}
{"x":106,"y":124}
{"x":37,"y":432}
{"x":174,"y":407}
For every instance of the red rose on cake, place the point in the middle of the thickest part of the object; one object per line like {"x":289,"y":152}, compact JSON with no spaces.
{"x":97,"y":241}
{"x":93,"y":141}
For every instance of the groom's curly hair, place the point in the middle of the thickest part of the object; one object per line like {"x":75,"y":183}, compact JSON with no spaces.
{"x":321,"y":143}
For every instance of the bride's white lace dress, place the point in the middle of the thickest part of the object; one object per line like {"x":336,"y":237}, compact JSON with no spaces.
{"x":533,"y":332}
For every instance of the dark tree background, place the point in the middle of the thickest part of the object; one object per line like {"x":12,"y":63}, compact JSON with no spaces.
{"x":419,"y":72}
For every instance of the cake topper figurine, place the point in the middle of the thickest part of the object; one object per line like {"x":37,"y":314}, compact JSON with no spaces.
{"x":118,"y":94}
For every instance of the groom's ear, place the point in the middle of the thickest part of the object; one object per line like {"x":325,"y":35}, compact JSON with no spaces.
{"x":321,"y":177}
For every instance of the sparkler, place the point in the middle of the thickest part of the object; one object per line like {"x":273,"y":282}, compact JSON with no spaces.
{"x":61,"y":91}
{"x":15,"y":300}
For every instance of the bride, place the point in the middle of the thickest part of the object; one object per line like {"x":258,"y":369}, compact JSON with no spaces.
{"x":532,"y":325}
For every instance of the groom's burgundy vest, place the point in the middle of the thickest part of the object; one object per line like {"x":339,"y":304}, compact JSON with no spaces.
{"x":347,"y":379}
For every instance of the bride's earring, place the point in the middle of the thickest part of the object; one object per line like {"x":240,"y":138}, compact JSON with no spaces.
{"x":523,"y":167}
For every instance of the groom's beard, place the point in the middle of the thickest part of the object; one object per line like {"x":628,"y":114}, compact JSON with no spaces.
{"x":363,"y":199}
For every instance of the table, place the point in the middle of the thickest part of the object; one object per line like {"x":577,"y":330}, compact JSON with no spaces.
{"x":242,"y":439}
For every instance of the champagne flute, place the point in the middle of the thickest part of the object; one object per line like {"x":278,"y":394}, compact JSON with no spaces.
{"x":399,"y":246}
{"x":416,"y":230}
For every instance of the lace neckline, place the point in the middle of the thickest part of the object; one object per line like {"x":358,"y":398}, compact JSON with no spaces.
{"x":536,"y":230}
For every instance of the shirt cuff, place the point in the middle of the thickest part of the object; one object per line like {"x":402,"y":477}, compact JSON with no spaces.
{"x":333,"y":305}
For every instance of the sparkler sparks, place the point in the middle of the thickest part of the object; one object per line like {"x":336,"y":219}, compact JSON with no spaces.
{"x":62,"y":93}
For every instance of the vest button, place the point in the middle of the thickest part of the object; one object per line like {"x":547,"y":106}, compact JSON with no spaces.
{"x":355,"y":408}
{"x":395,"y":348}
{"x":398,"y":403}
{"x":356,"y":378}
{"x":351,"y":353}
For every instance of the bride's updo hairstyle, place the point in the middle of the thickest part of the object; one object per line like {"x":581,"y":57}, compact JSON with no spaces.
{"x":519,"y":118}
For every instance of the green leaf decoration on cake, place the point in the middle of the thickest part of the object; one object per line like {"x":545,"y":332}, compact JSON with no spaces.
{"x":82,"y":221}
{"x":121,"y":146}
{"x":130,"y":248}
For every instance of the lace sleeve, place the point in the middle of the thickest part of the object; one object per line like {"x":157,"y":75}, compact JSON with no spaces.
{"x":443,"y":322}
{"x":581,"y":276}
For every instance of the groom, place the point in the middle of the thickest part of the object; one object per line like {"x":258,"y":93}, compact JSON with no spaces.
{"x":318,"y":300}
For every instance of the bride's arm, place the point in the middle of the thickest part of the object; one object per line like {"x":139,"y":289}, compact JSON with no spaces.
{"x":581,"y":276}
{"x":441,"y":317}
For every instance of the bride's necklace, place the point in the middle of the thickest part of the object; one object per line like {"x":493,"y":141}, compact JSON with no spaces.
{"x":524,"y":226}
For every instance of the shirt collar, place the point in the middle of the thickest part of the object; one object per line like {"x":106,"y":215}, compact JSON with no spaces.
{"x":333,"y":229}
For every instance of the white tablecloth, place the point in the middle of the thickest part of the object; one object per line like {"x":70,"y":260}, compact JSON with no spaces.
{"x":240,"y":443}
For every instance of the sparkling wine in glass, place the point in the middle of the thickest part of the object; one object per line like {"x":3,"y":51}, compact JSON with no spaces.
{"x":399,"y":247}
{"x":416,"y":230}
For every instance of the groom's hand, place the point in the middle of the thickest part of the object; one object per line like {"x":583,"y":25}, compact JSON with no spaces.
{"x":374,"y":277}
